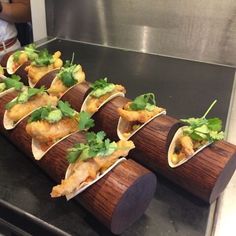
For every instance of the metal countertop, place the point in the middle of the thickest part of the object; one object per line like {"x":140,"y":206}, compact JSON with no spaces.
{"x":185,"y":88}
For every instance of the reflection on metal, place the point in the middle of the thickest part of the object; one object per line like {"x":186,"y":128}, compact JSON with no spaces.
{"x":196,"y":30}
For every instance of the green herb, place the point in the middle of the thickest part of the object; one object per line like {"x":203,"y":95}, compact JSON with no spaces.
{"x":40,"y":114}
{"x":96,"y":145}
{"x":85,"y":121}
{"x":101,"y":87}
{"x":43,"y":59}
{"x":24,"y":96}
{"x":13,"y":82}
{"x":66,"y":109}
{"x":66,"y":75}
{"x":31,"y":51}
{"x":143,"y":102}
{"x":16,"y":55}
{"x":202,"y":129}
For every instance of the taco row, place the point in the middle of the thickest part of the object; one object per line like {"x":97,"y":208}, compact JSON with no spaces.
{"x":48,"y":114}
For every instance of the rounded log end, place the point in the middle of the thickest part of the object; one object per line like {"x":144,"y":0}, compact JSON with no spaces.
{"x":133,"y":203}
{"x":226,"y":173}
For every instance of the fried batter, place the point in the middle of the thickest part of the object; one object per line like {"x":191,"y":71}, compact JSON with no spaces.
{"x":94,"y":103}
{"x":58,"y":88}
{"x":35,"y":73}
{"x":141,"y":116}
{"x":20,"y":110}
{"x":88,"y":170}
{"x":45,"y":132}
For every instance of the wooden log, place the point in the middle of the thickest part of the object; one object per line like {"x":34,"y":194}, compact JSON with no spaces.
{"x":47,"y":79}
{"x":205,"y":176}
{"x":117,"y":200}
{"x":76,"y":95}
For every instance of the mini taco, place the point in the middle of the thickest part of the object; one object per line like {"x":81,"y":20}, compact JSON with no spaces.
{"x":42,"y":64}
{"x":25,"y":103}
{"x":134,"y":115}
{"x":101,"y":93}
{"x":48,"y":125}
{"x":89,"y":162}
{"x":9,"y":84}
{"x":18,"y":58}
{"x":190,"y":139}
{"x":67,"y":77}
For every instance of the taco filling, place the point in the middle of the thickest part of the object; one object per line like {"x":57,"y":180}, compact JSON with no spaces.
{"x":136,"y":113}
{"x":49,"y":124}
{"x":20,"y":57}
{"x":89,"y":160}
{"x":11,"y":82}
{"x":189,"y":139}
{"x":101,"y":91}
{"x":27,"y":101}
{"x":68,"y":76}
{"x":42,"y":64}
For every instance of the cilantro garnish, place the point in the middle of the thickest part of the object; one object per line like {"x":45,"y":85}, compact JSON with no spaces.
{"x":101,"y":87}
{"x":96,"y":145}
{"x":44,"y":58}
{"x":85,"y":121}
{"x":66,"y":109}
{"x":13,"y":82}
{"x":30,"y":51}
{"x":24,"y":96}
{"x":202,"y":129}
{"x":66,"y":74}
{"x":54,"y":114}
{"x":143,"y":102}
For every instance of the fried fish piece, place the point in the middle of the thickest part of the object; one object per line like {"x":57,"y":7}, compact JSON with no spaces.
{"x":141,"y":116}
{"x":94,"y":103}
{"x":58,"y":88}
{"x":35,"y":73}
{"x":85,"y":171}
{"x":45,"y":132}
{"x":20,"y":110}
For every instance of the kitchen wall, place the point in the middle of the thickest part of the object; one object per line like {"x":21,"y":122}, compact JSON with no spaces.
{"x":193,"y":29}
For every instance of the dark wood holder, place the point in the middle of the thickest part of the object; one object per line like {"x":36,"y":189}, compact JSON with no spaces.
{"x":205,"y":175}
{"x":76,"y":95}
{"x":47,"y":79}
{"x":117,"y":200}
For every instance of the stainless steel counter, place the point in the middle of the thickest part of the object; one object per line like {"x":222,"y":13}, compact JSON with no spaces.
{"x":177,"y":83}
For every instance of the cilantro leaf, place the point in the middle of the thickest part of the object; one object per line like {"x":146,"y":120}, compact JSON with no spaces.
{"x":95,"y":146}
{"x":66,"y":109}
{"x":101,"y":87}
{"x":43,"y":59}
{"x":66,"y":75}
{"x":202,"y":129}
{"x":85,"y":121}
{"x":39,"y":114}
{"x":13,"y":82}
{"x":144,"y":102}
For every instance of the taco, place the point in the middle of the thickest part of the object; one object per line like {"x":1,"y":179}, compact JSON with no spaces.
{"x":48,"y":125}
{"x":43,"y":64}
{"x":101,"y":93}
{"x":89,"y":162}
{"x":68,"y":76}
{"x":25,"y":103}
{"x":18,"y":58}
{"x":134,"y":115}
{"x":9,"y":84}
{"x":190,"y":139}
